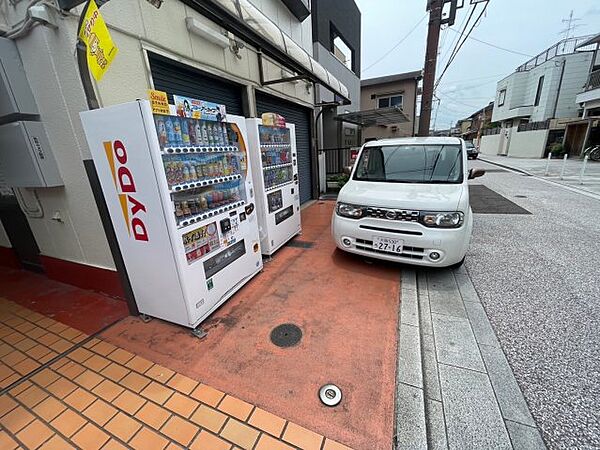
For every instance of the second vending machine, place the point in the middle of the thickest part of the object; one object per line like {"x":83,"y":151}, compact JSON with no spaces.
{"x":274,"y":158}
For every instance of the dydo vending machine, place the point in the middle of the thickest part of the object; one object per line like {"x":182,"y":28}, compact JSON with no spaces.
{"x":274,"y":157}
{"x":179,"y":190}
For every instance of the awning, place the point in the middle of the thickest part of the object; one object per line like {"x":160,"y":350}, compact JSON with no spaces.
{"x":243,"y":19}
{"x":372,"y":117}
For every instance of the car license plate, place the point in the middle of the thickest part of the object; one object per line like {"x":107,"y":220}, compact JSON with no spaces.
{"x":387,"y":244}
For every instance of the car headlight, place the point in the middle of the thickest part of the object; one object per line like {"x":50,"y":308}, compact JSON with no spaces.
{"x":442,"y":219}
{"x":350,"y":211}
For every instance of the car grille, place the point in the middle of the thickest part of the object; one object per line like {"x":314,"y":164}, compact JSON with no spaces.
{"x":407,"y":252}
{"x":392,"y":214}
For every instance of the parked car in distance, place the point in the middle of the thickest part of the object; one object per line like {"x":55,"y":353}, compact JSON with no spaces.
{"x":472,"y":152}
{"x":407,"y":200}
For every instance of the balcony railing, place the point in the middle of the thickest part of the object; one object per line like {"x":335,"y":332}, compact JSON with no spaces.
{"x":593,"y":80}
{"x":564,"y":47}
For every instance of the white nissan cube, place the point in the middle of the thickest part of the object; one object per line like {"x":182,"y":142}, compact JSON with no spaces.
{"x":407,"y":200}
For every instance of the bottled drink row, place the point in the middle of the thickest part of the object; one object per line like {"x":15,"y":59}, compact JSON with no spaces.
{"x":277,"y":176}
{"x":271,"y":156}
{"x":176,"y":131}
{"x":189,"y":168}
{"x":273,"y":135}
{"x":199,"y":201}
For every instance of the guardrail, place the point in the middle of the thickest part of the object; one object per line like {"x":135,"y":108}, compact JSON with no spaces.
{"x":532,"y":126}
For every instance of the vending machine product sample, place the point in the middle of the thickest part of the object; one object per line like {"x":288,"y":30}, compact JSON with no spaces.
{"x":274,"y":157}
{"x":180,"y":195}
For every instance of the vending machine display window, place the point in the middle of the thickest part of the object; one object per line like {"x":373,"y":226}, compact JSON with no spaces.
{"x":203,"y":166}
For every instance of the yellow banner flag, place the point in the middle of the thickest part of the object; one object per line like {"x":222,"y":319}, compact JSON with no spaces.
{"x":101,"y":50}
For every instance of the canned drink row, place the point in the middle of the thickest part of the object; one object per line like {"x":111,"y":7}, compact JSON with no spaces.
{"x":176,"y":131}
{"x":271,"y":157}
{"x":181,"y":169}
{"x":195,"y":203}
{"x":276,"y":176}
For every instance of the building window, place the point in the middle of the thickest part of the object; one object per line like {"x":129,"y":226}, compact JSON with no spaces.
{"x":392,"y":100}
{"x":340,"y":49}
{"x":501,"y":97}
{"x":538,"y":93}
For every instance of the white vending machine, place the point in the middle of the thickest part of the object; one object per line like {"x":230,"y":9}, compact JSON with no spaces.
{"x":273,"y":155}
{"x":179,"y":191}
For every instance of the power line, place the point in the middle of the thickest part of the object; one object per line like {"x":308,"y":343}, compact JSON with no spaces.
{"x":462,"y":43}
{"x":495,"y":46}
{"x":397,"y":43}
{"x":464,"y":25}
{"x":455,"y":37}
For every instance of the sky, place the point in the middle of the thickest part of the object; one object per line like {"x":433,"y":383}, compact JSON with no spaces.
{"x":524,"y":26}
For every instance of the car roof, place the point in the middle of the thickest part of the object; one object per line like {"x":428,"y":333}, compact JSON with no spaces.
{"x":436,"y":140}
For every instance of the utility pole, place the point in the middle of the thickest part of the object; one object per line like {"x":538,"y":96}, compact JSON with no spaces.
{"x":431,"y":53}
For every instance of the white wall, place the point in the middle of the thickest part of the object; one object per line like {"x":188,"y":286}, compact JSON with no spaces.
{"x":490,"y":144}
{"x":528,"y":144}
{"x":50,"y":65}
{"x":4,"y":241}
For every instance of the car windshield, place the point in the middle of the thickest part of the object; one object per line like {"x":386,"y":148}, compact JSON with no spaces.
{"x":411,"y":164}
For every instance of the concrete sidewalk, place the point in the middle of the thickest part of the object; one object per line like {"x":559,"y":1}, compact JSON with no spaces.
{"x":456,"y":389}
{"x":537,"y":168}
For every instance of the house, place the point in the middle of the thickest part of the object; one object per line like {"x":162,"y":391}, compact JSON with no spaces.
{"x":472,"y":127}
{"x":534,"y":103}
{"x":389,"y":92}
{"x":253,"y":58}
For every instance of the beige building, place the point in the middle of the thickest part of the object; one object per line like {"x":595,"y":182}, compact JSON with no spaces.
{"x":393,"y":90}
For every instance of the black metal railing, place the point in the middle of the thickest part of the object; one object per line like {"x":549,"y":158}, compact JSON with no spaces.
{"x":593,"y":80}
{"x":532,"y":126}
{"x":338,"y":158}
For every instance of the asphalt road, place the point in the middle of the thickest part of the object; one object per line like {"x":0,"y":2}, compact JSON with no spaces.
{"x":538,"y":277}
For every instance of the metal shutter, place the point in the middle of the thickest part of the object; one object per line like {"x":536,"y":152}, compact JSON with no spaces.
{"x":301,"y":117}
{"x":176,"y":78}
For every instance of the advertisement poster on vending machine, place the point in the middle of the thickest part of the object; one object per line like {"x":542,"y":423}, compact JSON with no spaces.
{"x":200,"y":241}
{"x":199,"y":109}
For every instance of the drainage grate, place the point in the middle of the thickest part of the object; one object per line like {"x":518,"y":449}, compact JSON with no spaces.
{"x":486,"y":201}
{"x":300,"y":244}
{"x":286,"y":335}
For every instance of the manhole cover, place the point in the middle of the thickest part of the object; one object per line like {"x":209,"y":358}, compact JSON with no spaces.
{"x":330,"y":395}
{"x":286,"y":335}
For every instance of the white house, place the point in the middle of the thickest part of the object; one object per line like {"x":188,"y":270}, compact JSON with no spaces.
{"x":542,"y":89}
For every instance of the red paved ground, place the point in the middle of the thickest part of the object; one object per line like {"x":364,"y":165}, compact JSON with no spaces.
{"x":84,"y":310}
{"x":347,"y":310}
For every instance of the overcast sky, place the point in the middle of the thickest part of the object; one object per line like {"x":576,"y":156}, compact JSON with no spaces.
{"x":525,"y":26}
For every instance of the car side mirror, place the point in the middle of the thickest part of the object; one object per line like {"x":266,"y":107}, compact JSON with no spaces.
{"x":476,"y":173}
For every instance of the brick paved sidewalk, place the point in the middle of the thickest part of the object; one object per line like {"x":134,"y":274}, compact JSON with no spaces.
{"x":63,"y":389}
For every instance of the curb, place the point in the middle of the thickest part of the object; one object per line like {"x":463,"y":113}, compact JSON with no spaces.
{"x":410,"y":414}
{"x":506,"y":166}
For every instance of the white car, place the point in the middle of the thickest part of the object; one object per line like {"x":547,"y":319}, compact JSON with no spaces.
{"x":407,"y":200}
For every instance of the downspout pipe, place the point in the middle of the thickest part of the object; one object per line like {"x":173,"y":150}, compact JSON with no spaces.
{"x":92,"y":174}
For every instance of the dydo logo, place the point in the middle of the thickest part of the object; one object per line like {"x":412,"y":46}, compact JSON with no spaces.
{"x":133,"y":210}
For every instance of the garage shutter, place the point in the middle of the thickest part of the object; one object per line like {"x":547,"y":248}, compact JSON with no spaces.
{"x":300,"y":117}
{"x":176,"y":78}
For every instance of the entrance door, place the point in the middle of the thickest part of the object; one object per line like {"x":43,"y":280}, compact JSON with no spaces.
{"x":18,"y":231}
{"x":505,"y":135}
